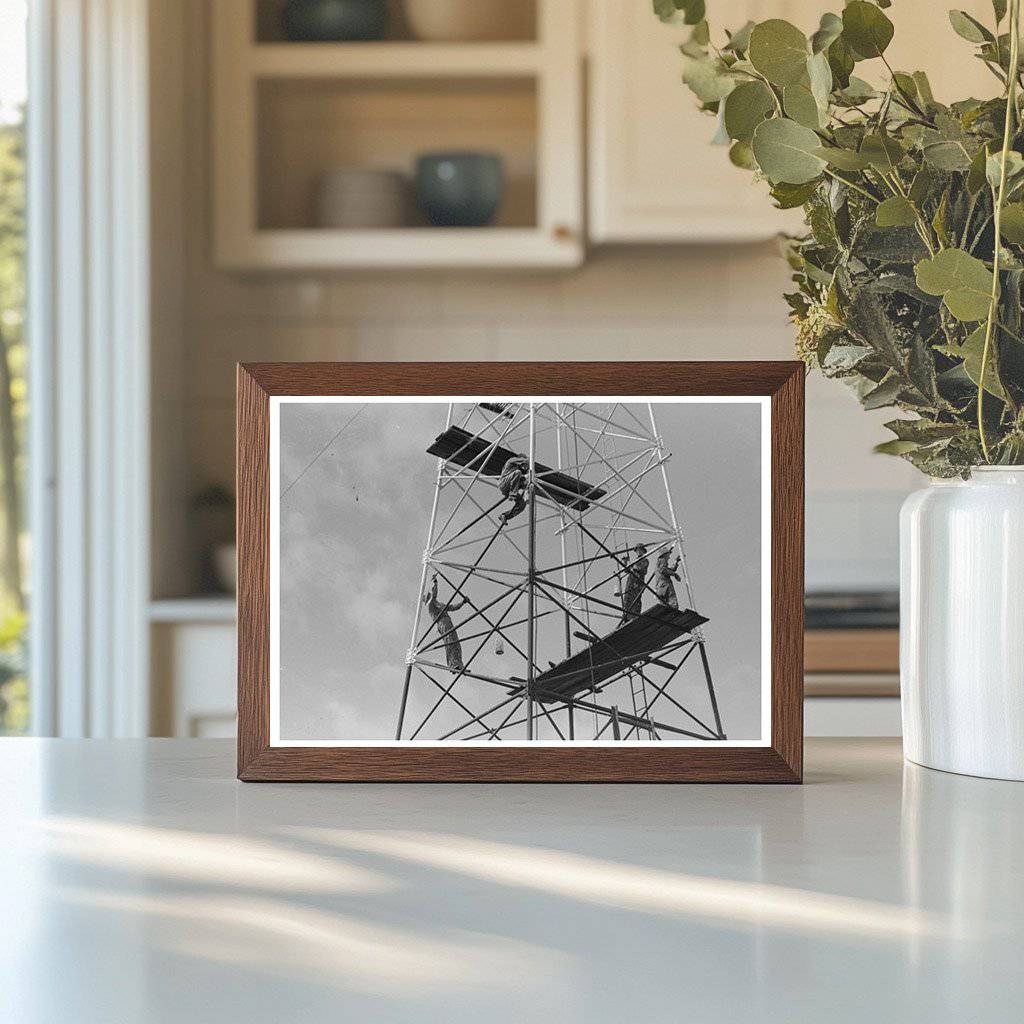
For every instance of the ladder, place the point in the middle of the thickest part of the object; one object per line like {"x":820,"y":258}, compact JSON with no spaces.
{"x":638,"y":687}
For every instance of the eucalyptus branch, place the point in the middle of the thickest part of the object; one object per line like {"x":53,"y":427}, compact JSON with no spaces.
{"x":853,"y":185}
{"x":911,"y":103}
{"x":993,"y":309}
{"x":977,"y":237}
{"x":771,"y":90}
{"x":911,"y":226}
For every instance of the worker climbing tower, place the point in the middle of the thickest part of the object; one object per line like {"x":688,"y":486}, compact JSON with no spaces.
{"x":547,"y":607}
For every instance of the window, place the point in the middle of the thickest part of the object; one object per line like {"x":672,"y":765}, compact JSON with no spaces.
{"x":14,"y":688}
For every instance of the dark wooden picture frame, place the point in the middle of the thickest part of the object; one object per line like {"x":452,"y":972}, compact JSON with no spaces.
{"x":780,"y":761}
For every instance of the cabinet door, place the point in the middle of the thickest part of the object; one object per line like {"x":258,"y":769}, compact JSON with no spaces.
{"x":654,"y":177}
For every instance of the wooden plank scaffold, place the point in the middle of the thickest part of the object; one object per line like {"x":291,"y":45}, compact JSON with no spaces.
{"x":547,"y":608}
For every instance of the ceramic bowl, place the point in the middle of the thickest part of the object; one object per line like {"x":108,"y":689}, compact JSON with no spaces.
{"x":460,"y":189}
{"x":332,"y":21}
{"x":359,"y":197}
{"x":470,"y":20}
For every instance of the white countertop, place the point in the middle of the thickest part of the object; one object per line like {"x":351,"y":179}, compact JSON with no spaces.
{"x":140,"y":882}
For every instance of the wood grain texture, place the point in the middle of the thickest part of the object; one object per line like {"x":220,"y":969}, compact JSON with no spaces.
{"x":852,"y":650}
{"x":252,"y":486}
{"x":780,"y":762}
{"x":788,"y":569}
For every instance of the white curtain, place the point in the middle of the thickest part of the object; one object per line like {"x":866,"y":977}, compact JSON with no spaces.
{"x":88,"y":384}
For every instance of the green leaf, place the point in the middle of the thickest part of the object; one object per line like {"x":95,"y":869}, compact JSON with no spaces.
{"x":841,"y":359}
{"x":868,"y":318}
{"x":922,"y":185}
{"x":866,"y":29}
{"x":829,"y":30}
{"x":801,"y":106}
{"x":999,"y":9}
{"x":844,"y":159}
{"x":895,"y":212}
{"x":721,"y":136}
{"x":883,"y":152}
{"x":857,"y":91}
{"x":921,"y":371}
{"x":969,"y":28}
{"x":976,"y":173}
{"x":885,"y":394}
{"x":896,"y":447}
{"x":819,"y":74}
{"x":963,"y":281}
{"x":788,"y":197}
{"x":841,"y":63}
{"x":889,"y":245}
{"x":689,"y":12}
{"x":905,"y":84}
{"x":971,"y":352}
{"x":924,"y":88}
{"x":787,"y":151}
{"x":666,"y":10}
{"x":739,"y":41}
{"x":993,"y":167}
{"x":741,"y":155}
{"x":1012,"y":224}
{"x":745,"y":108}
{"x":779,"y":51}
{"x":923,"y":431}
{"x":939,"y":220}
{"x":947,"y":156}
{"x":693,"y":10}
{"x":707,"y":78}
{"x":701,"y":34}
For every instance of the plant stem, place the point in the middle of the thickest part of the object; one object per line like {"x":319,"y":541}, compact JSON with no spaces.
{"x":775,"y":98}
{"x":907,"y":99}
{"x":1011,"y":109}
{"x":853,"y":185}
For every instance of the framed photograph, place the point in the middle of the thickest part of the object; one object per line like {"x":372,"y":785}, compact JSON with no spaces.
{"x":576,"y":572}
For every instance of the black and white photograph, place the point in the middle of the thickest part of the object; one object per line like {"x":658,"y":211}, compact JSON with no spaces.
{"x":510,"y":570}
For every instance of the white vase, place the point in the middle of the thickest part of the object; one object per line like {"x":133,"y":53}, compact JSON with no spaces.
{"x":962,"y":624}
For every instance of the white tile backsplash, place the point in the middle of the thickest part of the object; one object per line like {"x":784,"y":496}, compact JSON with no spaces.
{"x":853,"y":539}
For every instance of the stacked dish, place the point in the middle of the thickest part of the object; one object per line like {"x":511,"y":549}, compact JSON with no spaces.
{"x":362,"y":197}
{"x":470,"y":20}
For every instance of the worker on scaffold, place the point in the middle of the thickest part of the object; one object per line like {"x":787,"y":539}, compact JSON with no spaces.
{"x":664,"y":574}
{"x":445,"y":628}
{"x":632,"y":582}
{"x":512,"y":485}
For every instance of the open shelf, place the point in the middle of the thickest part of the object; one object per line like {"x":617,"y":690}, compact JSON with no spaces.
{"x":473,"y":248}
{"x":520,"y":23}
{"x":309,"y":127}
{"x":393,"y":60}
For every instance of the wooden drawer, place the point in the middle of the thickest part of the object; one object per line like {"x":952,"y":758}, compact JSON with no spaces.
{"x":852,"y":650}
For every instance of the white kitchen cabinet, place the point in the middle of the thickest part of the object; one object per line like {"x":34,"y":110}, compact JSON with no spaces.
{"x":653,"y":177}
{"x":192,"y":651}
{"x":285,"y":114}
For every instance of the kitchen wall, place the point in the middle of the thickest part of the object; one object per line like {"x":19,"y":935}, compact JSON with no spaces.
{"x":652,"y":303}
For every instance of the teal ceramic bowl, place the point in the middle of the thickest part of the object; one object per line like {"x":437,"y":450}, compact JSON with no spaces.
{"x":460,"y":189}
{"x":334,"y":21}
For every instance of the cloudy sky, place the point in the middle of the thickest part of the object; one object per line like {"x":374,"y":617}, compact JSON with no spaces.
{"x":356,"y":493}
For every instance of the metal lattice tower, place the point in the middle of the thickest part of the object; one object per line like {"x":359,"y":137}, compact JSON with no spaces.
{"x":528,"y":629}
